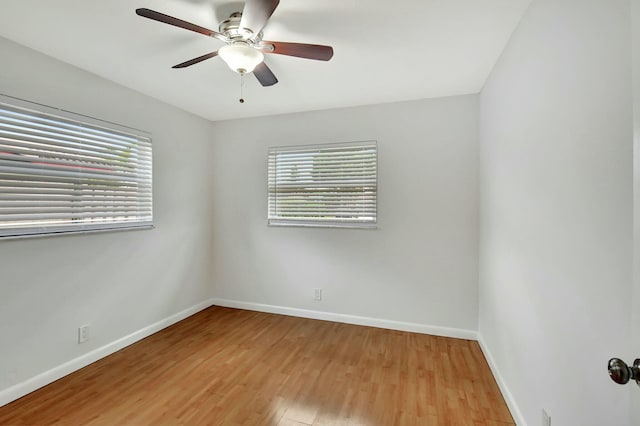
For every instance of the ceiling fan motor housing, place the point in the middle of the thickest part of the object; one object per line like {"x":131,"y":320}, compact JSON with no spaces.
{"x":231,"y":29}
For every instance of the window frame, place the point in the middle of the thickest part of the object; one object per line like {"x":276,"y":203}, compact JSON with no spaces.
{"x":275,"y":221}
{"x":89,"y":223}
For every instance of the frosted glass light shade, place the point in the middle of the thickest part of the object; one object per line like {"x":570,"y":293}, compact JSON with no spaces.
{"x":240,"y":57}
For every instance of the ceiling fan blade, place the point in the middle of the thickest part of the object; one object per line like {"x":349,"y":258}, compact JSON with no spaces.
{"x":196,"y":60}
{"x":264,"y":75}
{"x":300,"y":50}
{"x":256,"y":13}
{"x":161,"y":17}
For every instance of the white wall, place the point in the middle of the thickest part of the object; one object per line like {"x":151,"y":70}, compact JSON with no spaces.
{"x":117,"y":282}
{"x":635,"y":324}
{"x":419,"y":266}
{"x":556,"y":211}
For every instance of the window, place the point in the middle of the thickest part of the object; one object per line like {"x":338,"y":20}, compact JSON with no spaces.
{"x":323,"y":185}
{"x":62,"y":172}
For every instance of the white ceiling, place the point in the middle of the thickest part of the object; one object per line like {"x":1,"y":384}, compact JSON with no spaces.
{"x":385,"y":51}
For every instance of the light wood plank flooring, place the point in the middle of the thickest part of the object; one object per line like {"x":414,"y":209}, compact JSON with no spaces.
{"x":233,"y":367}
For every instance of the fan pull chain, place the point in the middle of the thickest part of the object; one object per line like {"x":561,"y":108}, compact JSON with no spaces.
{"x":241,"y":88}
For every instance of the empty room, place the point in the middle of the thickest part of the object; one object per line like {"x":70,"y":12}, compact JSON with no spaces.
{"x":305,"y":212}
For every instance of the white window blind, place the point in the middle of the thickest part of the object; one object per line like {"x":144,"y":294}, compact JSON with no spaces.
{"x":62,"y":172}
{"x":323,"y":185}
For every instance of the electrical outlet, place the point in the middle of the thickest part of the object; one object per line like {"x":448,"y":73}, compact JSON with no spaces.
{"x":546,"y":418}
{"x":83,"y":333}
{"x":317,"y":294}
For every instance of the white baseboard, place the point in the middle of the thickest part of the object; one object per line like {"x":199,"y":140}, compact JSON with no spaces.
{"x":506,"y":393}
{"x":21,"y":389}
{"x":351,"y":319}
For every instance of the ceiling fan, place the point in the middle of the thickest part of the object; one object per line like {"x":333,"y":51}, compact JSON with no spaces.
{"x":244,"y":48}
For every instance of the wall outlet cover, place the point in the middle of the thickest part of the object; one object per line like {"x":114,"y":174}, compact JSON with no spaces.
{"x":83,"y":333}
{"x":546,"y":418}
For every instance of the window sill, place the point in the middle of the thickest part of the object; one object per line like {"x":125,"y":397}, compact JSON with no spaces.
{"x":77,"y":232}
{"x":297,"y":224}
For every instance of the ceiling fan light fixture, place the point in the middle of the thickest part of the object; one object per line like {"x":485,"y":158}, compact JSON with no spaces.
{"x":240,"y":57}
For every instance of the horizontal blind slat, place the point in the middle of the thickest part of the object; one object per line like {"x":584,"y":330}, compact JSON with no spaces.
{"x":113,"y":185}
{"x":44,"y":197}
{"x":356,"y":183}
{"x":72,"y":210}
{"x":70,"y":163}
{"x":61,"y":215}
{"x":322,"y":171}
{"x":318,"y":157}
{"x":39,"y":204}
{"x":29,"y":194}
{"x":29,"y":171}
{"x":327,"y":218}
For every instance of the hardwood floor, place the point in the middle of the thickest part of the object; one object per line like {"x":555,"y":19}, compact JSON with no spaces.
{"x":233,"y":367}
